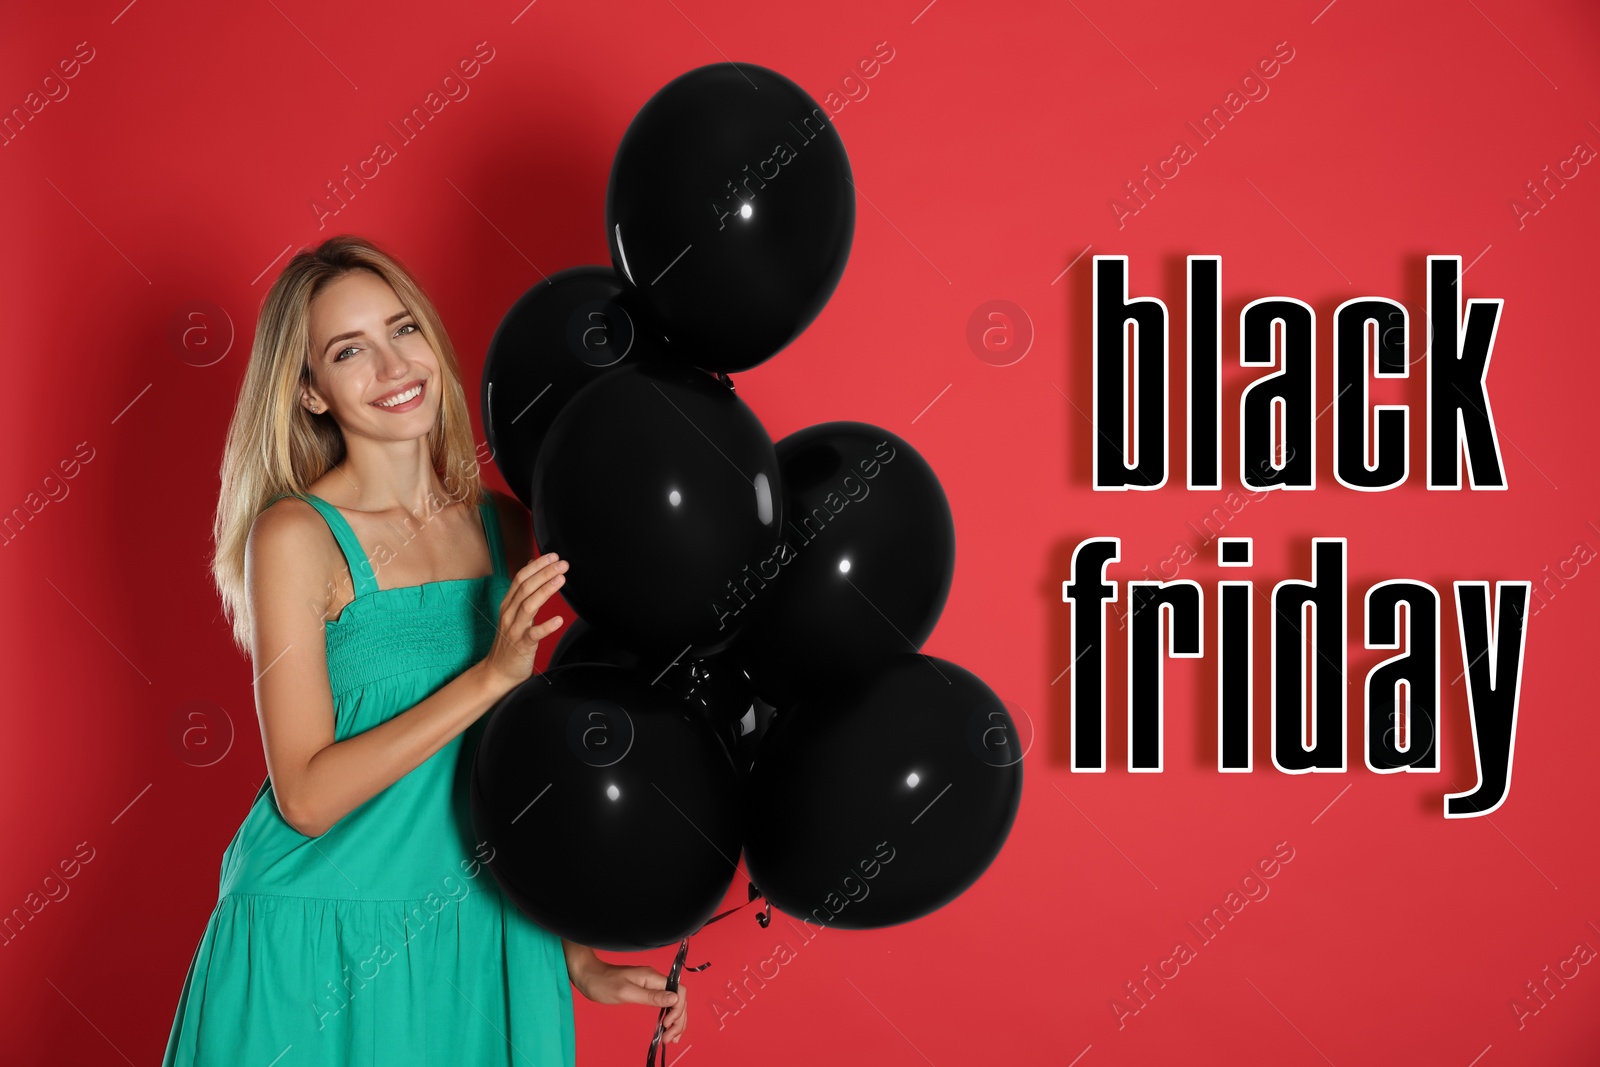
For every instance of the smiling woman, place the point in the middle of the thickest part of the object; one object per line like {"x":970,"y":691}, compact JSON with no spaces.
{"x":391,"y":377}
{"x":352,"y":419}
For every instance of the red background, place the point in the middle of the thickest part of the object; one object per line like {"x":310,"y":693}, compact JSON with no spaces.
{"x":182,"y":167}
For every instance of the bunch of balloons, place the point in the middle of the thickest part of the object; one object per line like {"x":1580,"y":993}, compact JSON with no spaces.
{"x":744,"y":674}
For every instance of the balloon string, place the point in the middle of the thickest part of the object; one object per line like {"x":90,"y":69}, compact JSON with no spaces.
{"x":678,"y":967}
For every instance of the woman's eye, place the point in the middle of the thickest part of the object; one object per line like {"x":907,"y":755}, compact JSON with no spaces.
{"x":339,"y":355}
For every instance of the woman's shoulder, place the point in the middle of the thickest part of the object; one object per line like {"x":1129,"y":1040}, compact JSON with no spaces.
{"x":290,"y":540}
{"x":288,"y":516}
{"x":283,"y":515}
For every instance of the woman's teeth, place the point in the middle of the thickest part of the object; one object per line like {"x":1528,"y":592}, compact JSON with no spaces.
{"x":409,"y":394}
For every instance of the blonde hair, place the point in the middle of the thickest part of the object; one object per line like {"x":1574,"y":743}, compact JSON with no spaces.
{"x":276,"y":446}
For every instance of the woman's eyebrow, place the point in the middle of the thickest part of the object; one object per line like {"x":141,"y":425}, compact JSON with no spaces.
{"x":390,"y":321}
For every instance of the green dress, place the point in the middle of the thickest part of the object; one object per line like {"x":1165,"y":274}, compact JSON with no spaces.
{"x":385,"y":940}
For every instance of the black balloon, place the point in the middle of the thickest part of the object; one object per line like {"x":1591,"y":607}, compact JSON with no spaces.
{"x":559,"y":336}
{"x":730,"y":210}
{"x":871,"y":550}
{"x":753,"y":727}
{"x":884,"y":802}
{"x":612,"y":812}
{"x":719,"y":690}
{"x":582,"y":642}
{"x":660,"y":487}
{"x":715,"y":688}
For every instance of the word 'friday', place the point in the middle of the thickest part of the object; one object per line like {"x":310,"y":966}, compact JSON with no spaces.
{"x":1460,"y":423}
{"x":1306,"y":683}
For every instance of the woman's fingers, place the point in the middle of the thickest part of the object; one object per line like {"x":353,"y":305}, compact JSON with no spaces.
{"x":534,"y":585}
{"x":532,"y":574}
{"x":532,"y":577}
{"x":678,"y":1017}
{"x":649,"y":986}
{"x":538,"y":570}
{"x":525,"y":611}
{"x":544,"y":591}
{"x":516,"y":635}
{"x":534,"y":565}
{"x":646,"y":985}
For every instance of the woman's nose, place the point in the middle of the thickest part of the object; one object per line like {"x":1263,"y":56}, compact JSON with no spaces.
{"x":390,"y":362}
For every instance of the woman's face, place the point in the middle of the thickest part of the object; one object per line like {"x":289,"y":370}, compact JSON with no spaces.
{"x":367,"y":348}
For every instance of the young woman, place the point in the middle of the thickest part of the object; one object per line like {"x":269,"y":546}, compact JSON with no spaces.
{"x":387,"y":601}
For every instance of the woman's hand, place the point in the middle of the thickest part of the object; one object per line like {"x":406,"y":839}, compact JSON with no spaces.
{"x":516,"y":638}
{"x":610,"y":983}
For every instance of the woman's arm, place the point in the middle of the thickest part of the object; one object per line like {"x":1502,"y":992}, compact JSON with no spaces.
{"x":580,"y":959}
{"x":315,"y":780}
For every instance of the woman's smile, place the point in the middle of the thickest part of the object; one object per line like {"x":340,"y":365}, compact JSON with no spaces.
{"x":409,"y":396}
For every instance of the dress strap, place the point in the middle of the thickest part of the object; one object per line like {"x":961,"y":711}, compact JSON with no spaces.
{"x":491,"y":530}
{"x":361,"y":572}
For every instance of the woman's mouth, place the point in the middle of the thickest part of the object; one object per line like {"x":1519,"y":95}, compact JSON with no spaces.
{"x":402,"y":400}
